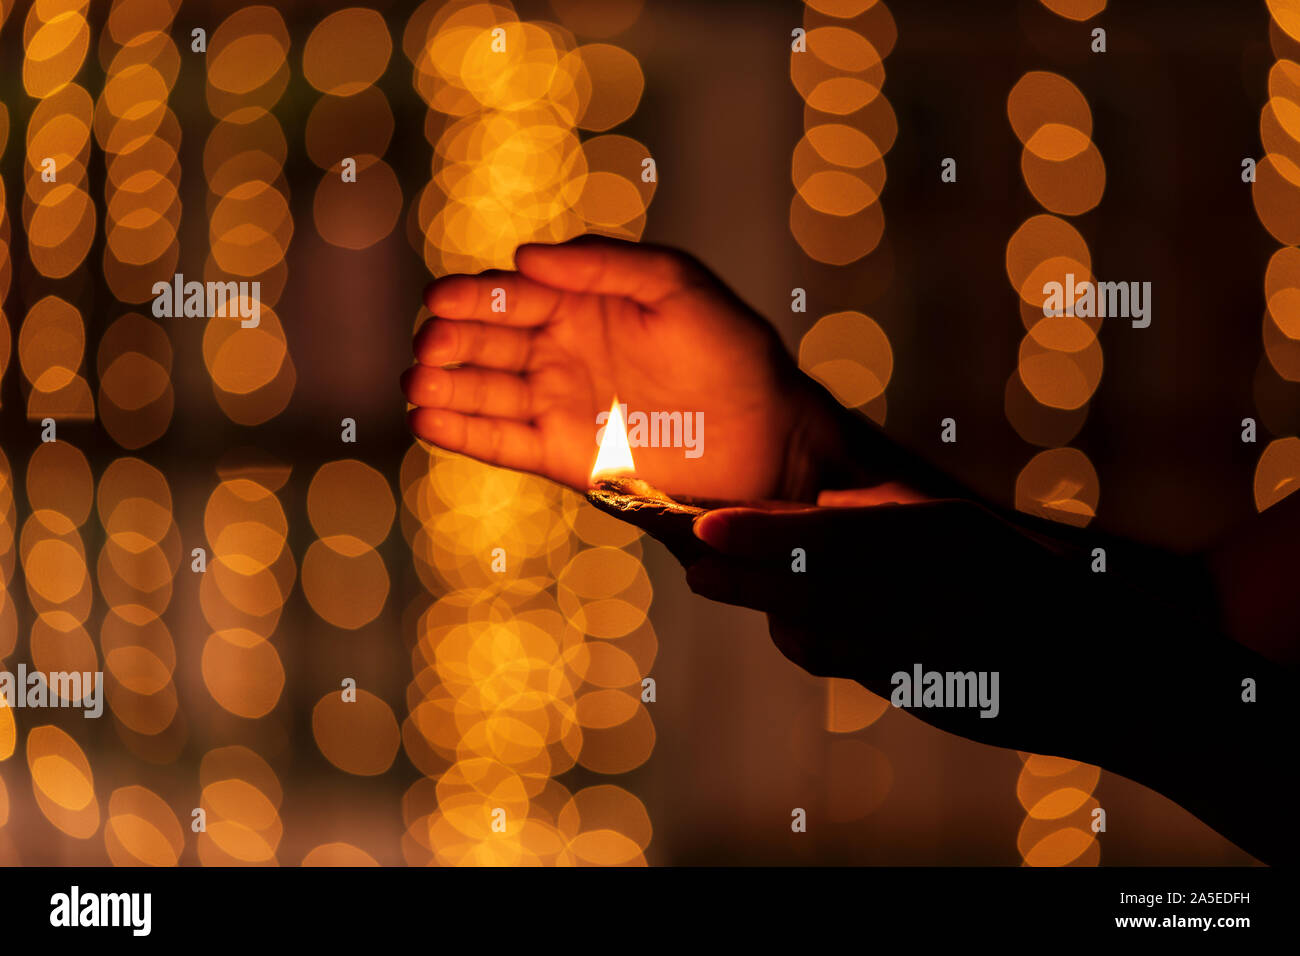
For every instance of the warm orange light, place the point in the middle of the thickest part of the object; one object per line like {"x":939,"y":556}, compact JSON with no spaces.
{"x":615,"y":455}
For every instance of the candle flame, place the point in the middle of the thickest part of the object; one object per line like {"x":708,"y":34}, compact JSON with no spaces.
{"x":615,"y":455}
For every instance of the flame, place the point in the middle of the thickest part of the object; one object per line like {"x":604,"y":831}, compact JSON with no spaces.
{"x":615,"y":455}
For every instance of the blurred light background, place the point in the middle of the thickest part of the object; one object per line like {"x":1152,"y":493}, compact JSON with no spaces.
{"x":514,"y":697}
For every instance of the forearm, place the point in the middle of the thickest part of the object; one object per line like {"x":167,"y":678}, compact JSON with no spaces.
{"x":1229,"y":760}
{"x":1202,"y":719}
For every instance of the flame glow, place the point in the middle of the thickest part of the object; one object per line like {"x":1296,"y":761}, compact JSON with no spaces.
{"x":615,"y":455}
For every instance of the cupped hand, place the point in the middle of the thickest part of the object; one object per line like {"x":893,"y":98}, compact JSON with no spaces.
{"x":594,"y":318}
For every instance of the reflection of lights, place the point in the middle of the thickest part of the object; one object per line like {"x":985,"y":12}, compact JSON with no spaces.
{"x":838,"y":166}
{"x":616,"y":85}
{"x":1278,"y":472}
{"x":1279,"y":126}
{"x":345,"y":54}
{"x":838,"y":171}
{"x":851,"y":707}
{"x":358,"y":736}
{"x":1056,"y":377}
{"x":1046,"y":398}
{"x":1040,"y":98}
{"x":1282,"y":290}
{"x":8,"y":731}
{"x":139,"y":559}
{"x":250,"y":574}
{"x":1286,"y":14}
{"x":242,"y":672}
{"x":136,"y":397}
{"x":850,"y":354}
{"x":1060,"y":484}
{"x":243,"y":823}
{"x":62,"y":782}
{"x":250,"y":222}
{"x":1060,"y":363}
{"x":141,"y":829}
{"x":1061,"y":166}
{"x":50,"y":348}
{"x":8,"y":555}
{"x":60,"y":490}
{"x":1057,"y":796}
{"x":1045,"y":249}
{"x":503,"y":688}
{"x":350,"y":497}
{"x":58,"y":212}
{"x":345,"y":581}
{"x":56,"y":46}
{"x":1070,"y":186}
{"x":1276,"y":194}
{"x":141,"y":137}
{"x":351,"y":509}
{"x":338,"y":854}
{"x":1075,"y":9}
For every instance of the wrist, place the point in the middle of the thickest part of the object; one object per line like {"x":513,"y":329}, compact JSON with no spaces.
{"x":835,"y":448}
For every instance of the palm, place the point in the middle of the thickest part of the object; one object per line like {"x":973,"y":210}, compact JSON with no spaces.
{"x":662,"y":338}
{"x":680,"y":357}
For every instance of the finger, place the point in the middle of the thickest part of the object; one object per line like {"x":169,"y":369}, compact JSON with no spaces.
{"x":891,"y":492}
{"x":754,"y":533}
{"x":503,"y":298}
{"x":879,"y":531}
{"x":442,"y":342}
{"x":474,"y":390}
{"x":493,"y":440}
{"x":595,"y":264}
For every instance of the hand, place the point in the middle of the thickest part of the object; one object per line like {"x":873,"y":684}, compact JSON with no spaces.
{"x":945,"y":584}
{"x":594,"y":318}
{"x":1124,"y":670}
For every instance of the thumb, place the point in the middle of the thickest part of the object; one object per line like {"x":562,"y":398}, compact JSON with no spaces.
{"x":755,"y":533}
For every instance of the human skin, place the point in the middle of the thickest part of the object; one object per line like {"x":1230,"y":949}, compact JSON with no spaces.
{"x":1138,"y":669}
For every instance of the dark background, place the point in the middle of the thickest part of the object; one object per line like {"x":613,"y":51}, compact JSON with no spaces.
{"x":741,"y":732}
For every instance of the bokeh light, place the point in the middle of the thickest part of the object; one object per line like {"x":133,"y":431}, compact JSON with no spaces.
{"x":1056,"y":795}
{"x":1058,"y":371}
{"x":838,"y":167}
{"x":1276,"y":195}
{"x":250,"y":223}
{"x":515,"y":684}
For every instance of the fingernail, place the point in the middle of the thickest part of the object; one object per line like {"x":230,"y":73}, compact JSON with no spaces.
{"x":447,"y":296}
{"x":438,"y":342}
{"x":711,"y":530}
